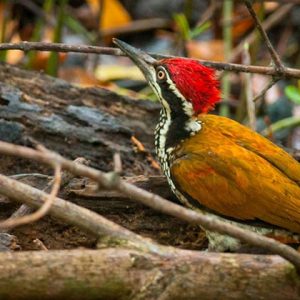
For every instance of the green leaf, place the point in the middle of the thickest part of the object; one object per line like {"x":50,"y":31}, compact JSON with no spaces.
{"x":183,"y":25}
{"x":282,"y":124}
{"x":293,"y":93}
{"x":53,"y":61}
{"x":199,"y":29}
{"x":76,"y":27}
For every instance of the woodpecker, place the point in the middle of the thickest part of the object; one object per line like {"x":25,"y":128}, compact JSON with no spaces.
{"x":214,"y":164}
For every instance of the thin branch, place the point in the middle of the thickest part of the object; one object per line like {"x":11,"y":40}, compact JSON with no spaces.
{"x":24,"y":209}
{"x":271,"y":21}
{"x":40,"y":244}
{"x":248,"y":90}
{"x":275,"y":57}
{"x":73,"y":214}
{"x":209,"y":12}
{"x":117,"y":163}
{"x":24,"y":175}
{"x":266,"y":88}
{"x":227,"y":38}
{"x":42,"y":211}
{"x":66,"y":177}
{"x":59,"y":47}
{"x":154,"y":201}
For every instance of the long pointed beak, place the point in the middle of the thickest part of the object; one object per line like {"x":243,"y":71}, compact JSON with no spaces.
{"x":144,"y":61}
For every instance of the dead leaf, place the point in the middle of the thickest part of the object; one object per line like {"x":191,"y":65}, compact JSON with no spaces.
{"x":113,"y":15}
{"x":78,"y":76}
{"x":208,"y":50}
{"x":116,"y":72}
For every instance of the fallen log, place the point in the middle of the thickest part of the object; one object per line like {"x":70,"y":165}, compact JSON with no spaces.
{"x":127,"y":274}
{"x":76,"y":122}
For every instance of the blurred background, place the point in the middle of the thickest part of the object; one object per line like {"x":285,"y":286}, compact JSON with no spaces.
{"x":207,"y":29}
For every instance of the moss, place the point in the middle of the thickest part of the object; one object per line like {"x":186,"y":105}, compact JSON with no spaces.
{"x":293,"y":275}
{"x":114,"y":288}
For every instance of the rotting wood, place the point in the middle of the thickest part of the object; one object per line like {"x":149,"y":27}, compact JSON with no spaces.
{"x":76,"y":122}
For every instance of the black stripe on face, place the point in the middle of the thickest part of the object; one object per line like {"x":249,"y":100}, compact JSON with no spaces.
{"x":177,"y":131}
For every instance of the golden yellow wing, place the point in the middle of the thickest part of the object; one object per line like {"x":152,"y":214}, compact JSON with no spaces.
{"x":256,"y":143}
{"x":215,"y":169}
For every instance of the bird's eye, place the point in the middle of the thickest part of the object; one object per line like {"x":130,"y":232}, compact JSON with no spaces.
{"x":160,"y":74}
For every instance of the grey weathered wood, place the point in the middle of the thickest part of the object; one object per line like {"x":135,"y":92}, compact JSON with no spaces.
{"x":76,"y":122}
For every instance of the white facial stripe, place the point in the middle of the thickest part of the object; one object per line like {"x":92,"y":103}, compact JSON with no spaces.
{"x":173,"y":87}
{"x":193,"y":125}
{"x":157,"y":90}
{"x":186,"y":105}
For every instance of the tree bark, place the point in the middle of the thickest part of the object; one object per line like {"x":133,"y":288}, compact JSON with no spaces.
{"x":127,"y":274}
{"x":76,"y":122}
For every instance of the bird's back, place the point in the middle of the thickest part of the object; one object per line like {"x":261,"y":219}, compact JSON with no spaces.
{"x":237,"y":173}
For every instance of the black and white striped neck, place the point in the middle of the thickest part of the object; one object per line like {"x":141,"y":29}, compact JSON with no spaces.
{"x":171,"y":130}
{"x":177,"y":121}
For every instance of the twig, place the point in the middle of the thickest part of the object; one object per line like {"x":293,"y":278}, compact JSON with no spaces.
{"x":227,"y":37}
{"x":42,"y":211}
{"x":66,"y":177}
{"x":117,"y":163}
{"x":141,"y":148}
{"x":275,"y":57}
{"x":209,"y":12}
{"x":248,"y":90}
{"x":266,"y":88}
{"x":40,"y":244}
{"x":272,"y":20}
{"x":59,"y":47}
{"x":137,"y":194}
{"x":37,"y":175}
{"x":73,"y":214}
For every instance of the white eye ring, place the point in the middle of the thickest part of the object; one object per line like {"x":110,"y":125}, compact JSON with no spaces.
{"x":161,"y":75}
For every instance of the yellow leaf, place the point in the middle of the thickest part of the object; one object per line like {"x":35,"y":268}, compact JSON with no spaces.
{"x":209,"y":50}
{"x":14,"y":57}
{"x":113,"y":15}
{"x":116,"y":72}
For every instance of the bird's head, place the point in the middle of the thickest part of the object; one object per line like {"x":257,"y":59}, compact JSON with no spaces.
{"x":180,"y":84}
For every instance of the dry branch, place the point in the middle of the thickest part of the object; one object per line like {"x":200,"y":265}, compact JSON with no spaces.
{"x":21,"y":217}
{"x":271,"y":21}
{"x":105,"y":180}
{"x":75,"y":215}
{"x":57,"y":47}
{"x":128,"y":274}
{"x":275,"y":57}
{"x":43,"y":209}
{"x":272,"y":82}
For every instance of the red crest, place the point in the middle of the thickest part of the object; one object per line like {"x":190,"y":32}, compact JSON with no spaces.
{"x":197,"y":83}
